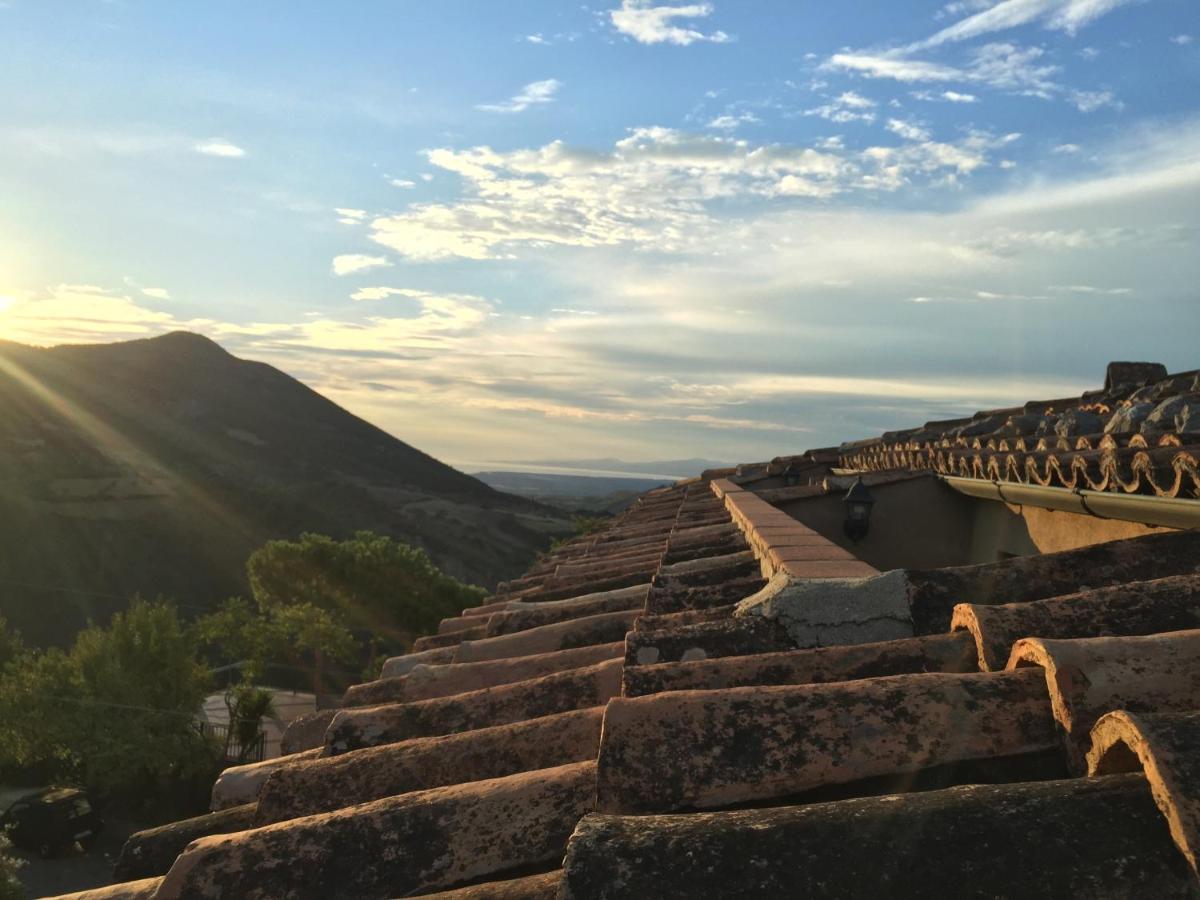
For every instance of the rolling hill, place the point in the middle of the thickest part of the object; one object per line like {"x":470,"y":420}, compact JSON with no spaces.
{"x":157,"y":466}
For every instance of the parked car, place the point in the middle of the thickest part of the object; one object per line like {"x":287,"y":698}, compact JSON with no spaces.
{"x":50,"y":820}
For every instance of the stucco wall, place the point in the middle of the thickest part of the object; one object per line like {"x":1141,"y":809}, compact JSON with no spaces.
{"x":916,"y":524}
{"x":922,"y":523}
{"x":1003,"y":528}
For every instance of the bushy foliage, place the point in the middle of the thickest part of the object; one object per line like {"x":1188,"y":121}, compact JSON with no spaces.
{"x":583,"y":525}
{"x":375,"y":584}
{"x":115,"y":713}
{"x":248,"y":706}
{"x":240,"y":632}
{"x":10,"y":885}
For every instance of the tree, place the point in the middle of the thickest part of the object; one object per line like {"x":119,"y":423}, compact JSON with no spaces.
{"x":143,"y":684}
{"x":10,"y":885}
{"x":388,"y":589}
{"x":11,"y":644}
{"x":248,"y":706}
{"x":253,"y":637}
{"x":115,"y":714}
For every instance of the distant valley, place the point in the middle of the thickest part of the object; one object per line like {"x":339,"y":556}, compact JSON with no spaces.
{"x":589,"y":485}
{"x":576,"y":493}
{"x":670,"y":469}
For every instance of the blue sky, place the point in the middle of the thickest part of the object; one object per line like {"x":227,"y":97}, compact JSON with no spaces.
{"x":508,"y":231}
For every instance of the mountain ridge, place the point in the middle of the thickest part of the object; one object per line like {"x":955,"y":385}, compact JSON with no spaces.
{"x":158,"y":465}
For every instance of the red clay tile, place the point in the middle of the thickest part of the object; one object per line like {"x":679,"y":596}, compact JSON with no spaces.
{"x":428,"y":682}
{"x":756,"y":743}
{"x":1092,"y":676}
{"x":599,"y":629}
{"x":324,"y":785}
{"x":1138,"y":607}
{"x":1167,"y":748}
{"x":447,"y":836}
{"x":370,"y":726}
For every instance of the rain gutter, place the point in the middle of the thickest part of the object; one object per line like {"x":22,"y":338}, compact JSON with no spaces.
{"x":1167,"y":512}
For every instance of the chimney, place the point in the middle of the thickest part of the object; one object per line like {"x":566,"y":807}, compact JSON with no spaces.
{"x":1133,"y":374}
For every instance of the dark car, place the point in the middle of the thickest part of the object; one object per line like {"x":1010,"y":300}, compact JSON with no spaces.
{"x":51,"y":820}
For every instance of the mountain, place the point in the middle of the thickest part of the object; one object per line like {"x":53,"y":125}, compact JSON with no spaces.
{"x":579,"y":493}
{"x":157,"y":466}
{"x":670,"y":468}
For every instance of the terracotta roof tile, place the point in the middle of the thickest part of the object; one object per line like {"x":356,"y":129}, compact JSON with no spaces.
{"x":1167,"y":747}
{"x":323,"y":785}
{"x":143,"y":889}
{"x":1092,"y":676}
{"x":428,"y":682}
{"x":306,"y":732}
{"x":151,"y":852}
{"x":603,"y":628}
{"x":935,"y":592}
{"x":524,"y":616}
{"x":1096,"y":838}
{"x":371,"y":726}
{"x":761,"y":743}
{"x":449,"y":835}
{"x":1136,"y":607}
{"x":238,"y":785}
{"x":400,"y":665}
{"x":450,"y":638}
{"x":531,"y":887}
{"x":934,"y":653}
{"x":705,"y":640}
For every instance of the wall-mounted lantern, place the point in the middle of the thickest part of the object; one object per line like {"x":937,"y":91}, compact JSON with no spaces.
{"x":858,"y":502}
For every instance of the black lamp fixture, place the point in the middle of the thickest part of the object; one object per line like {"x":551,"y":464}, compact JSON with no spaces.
{"x":858,"y":502}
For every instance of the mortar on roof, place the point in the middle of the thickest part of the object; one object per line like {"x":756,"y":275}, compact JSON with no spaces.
{"x":819,"y":612}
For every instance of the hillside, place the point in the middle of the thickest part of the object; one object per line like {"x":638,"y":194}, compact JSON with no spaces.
{"x":157,"y":466}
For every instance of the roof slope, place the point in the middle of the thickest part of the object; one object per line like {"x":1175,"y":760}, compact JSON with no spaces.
{"x":780,"y":719}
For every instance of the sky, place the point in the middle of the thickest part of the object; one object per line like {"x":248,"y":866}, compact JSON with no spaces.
{"x":638,"y":229}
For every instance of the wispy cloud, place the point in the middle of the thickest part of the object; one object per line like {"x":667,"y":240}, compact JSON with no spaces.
{"x":348,"y":263}
{"x":545,"y":40}
{"x":1182,"y":39}
{"x":1003,"y":66}
{"x":947,"y":96}
{"x":1062,"y":15}
{"x":220,"y":147}
{"x":731,"y":122}
{"x":533,"y":94}
{"x":847,"y":107}
{"x":648,"y":24}
{"x":1090,"y":101}
{"x":73,"y":313}
{"x":910,"y":131}
{"x":893,"y":66}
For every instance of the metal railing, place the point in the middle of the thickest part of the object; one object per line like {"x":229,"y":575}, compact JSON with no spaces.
{"x":234,"y":750}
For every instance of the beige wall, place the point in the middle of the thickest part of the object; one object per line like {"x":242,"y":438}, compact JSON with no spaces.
{"x":915,"y":524}
{"x":1003,"y":529}
{"x":922,"y":524}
